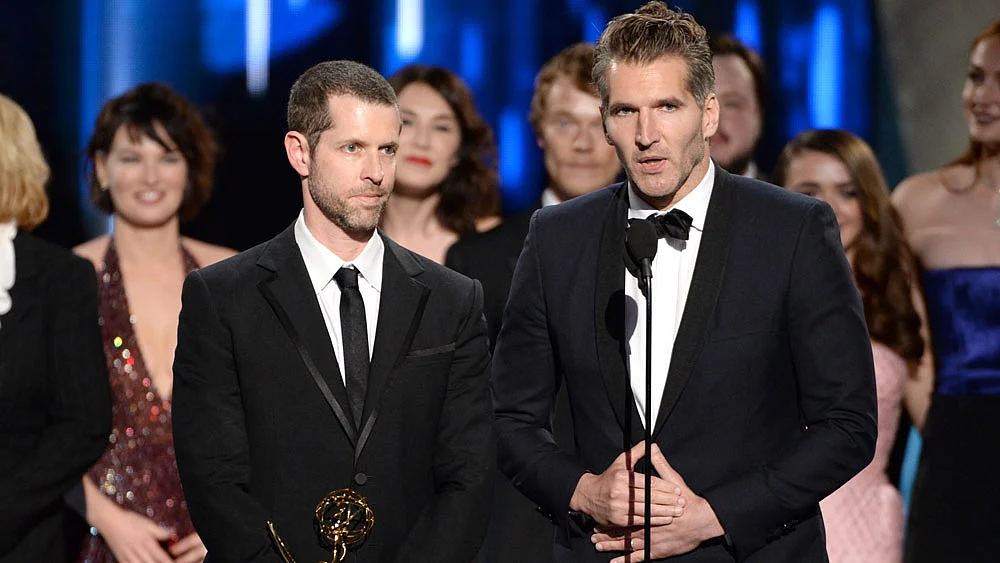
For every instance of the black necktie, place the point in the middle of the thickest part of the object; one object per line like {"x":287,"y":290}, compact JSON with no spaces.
{"x":355,"y":331}
{"x":674,"y":224}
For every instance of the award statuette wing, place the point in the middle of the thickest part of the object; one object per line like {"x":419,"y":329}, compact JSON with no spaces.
{"x":344,"y":519}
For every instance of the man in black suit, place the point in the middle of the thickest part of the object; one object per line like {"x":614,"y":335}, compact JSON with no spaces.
{"x":566,"y":117}
{"x":763,"y":395}
{"x":739,"y":85}
{"x":331,"y":358}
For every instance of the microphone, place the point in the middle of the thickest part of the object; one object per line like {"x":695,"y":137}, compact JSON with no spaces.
{"x":640,"y":244}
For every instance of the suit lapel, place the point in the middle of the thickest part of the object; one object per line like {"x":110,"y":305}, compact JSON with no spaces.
{"x":401,"y":307}
{"x":609,"y":317}
{"x":702,"y":296}
{"x":292,"y":298}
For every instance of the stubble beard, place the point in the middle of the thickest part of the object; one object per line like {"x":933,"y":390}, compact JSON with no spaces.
{"x":338,"y":211}
{"x":694,"y":154}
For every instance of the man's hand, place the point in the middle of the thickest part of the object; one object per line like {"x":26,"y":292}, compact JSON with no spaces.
{"x":682,"y":535}
{"x":615,"y":498}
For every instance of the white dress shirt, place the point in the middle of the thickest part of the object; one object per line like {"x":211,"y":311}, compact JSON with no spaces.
{"x":322,"y":264}
{"x":673,"y":267}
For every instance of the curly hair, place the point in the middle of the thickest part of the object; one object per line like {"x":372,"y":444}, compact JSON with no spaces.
{"x":884,"y":267}
{"x":469,"y":191}
{"x":576,"y":63}
{"x":651,"y":32}
{"x":140,"y":110}
{"x":23,"y":170}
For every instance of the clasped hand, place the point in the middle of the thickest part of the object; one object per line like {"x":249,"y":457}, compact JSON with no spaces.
{"x":679,"y":519}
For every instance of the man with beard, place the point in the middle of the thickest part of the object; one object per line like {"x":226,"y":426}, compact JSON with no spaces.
{"x":760,"y":398}
{"x":331,"y":359}
{"x":739,"y":85}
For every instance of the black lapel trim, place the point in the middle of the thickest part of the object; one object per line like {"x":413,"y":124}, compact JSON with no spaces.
{"x":403,"y":299}
{"x":290,"y":294}
{"x":609,"y":318}
{"x":702,"y":296}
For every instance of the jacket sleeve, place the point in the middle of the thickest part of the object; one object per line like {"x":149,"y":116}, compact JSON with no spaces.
{"x":452,"y":527}
{"x":79,"y":408}
{"x":525,"y":382}
{"x":831,"y":355}
{"x":210,"y":438}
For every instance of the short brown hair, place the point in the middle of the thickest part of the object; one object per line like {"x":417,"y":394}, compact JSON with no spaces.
{"x":140,"y":110}
{"x":651,"y":32}
{"x":470,"y":190}
{"x":23,"y":171}
{"x":725,"y":44}
{"x":884,"y":267}
{"x":308,"y":102}
{"x":576,"y":63}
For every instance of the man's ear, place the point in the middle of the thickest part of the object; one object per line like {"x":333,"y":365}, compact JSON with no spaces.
{"x":297,"y":149}
{"x":710,"y":117}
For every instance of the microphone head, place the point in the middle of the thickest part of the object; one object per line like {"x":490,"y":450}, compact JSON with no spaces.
{"x":641,"y":240}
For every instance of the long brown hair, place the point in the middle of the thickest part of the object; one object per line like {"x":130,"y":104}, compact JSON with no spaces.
{"x":976,"y":153}
{"x":884,"y":267}
{"x":469,"y":191}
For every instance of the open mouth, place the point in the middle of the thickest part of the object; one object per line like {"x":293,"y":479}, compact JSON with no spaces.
{"x":652,"y":165}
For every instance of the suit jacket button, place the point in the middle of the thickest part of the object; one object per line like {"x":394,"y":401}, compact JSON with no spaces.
{"x":360,"y":478}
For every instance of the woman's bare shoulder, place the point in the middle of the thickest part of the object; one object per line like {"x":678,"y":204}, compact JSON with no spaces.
{"x":93,"y":250}
{"x":486,"y":223}
{"x":206,"y":254}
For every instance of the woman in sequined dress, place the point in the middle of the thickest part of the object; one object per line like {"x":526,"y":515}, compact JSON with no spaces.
{"x":151,"y":161}
{"x":864,"y":518}
{"x":952,"y":220}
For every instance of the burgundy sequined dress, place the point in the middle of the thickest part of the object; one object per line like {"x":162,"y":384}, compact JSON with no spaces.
{"x":138,"y":470}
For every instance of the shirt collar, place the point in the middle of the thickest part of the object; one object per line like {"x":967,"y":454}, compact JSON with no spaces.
{"x":322,"y":263}
{"x":549,"y":197}
{"x":694,"y":203}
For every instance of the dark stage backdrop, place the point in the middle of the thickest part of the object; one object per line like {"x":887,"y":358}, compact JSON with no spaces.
{"x":61,"y":59}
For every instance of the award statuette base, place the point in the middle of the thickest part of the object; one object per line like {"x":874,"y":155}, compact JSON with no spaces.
{"x":344,"y":519}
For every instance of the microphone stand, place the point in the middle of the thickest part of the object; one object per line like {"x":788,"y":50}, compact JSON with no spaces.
{"x":647,"y":279}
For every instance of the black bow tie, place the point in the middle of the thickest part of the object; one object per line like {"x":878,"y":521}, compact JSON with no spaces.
{"x":675,"y":224}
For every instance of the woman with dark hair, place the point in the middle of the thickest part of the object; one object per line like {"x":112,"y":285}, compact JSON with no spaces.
{"x":952,"y":220}
{"x":446,"y":177}
{"x":55,"y":408}
{"x":151,"y":160}
{"x":864,"y":518}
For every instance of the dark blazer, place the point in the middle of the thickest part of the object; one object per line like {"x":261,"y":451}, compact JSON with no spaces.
{"x":55,"y":401}
{"x":518,"y":531}
{"x":262,"y":422}
{"x":769,"y":403}
{"x":490,"y":257}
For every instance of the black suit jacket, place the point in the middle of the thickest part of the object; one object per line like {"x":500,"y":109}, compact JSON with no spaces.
{"x":769,"y":402}
{"x":262,"y":423}
{"x":55,"y":401}
{"x":490,"y":257}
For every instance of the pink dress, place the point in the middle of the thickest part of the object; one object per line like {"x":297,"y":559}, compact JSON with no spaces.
{"x":864,"y":518}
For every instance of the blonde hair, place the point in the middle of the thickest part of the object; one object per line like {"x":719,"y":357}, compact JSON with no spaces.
{"x":23,"y":170}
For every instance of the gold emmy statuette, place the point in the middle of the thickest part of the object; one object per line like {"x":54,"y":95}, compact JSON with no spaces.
{"x":344,"y":519}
